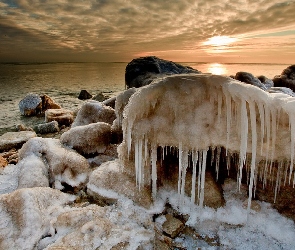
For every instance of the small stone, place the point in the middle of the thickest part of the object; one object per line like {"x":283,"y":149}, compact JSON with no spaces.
{"x":22,"y":127}
{"x":46,"y":128}
{"x":62,"y":116}
{"x":100,"y":97}
{"x":172,"y":226}
{"x":84,"y":95}
{"x":254,"y":205}
{"x":3,"y":162}
{"x":11,"y":140}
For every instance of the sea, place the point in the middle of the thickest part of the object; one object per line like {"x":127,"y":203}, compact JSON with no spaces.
{"x":64,"y":81}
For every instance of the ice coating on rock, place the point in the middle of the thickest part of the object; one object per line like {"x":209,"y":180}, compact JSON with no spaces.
{"x":64,"y":165}
{"x":196,"y":112}
{"x":87,"y":139}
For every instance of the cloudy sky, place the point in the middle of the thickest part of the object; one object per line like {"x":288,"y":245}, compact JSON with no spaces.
{"x":120,"y":30}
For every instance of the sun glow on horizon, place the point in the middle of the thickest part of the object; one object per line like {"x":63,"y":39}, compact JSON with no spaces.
{"x":217,"y":41}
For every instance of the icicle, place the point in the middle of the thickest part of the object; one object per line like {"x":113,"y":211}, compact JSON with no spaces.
{"x":140,"y":166}
{"x":199,"y":174}
{"x":277,"y":180}
{"x":129,"y":140}
{"x":183,"y":174}
{"x":244,"y":136}
{"x":228,"y":119}
{"x":262,"y":125}
{"x":273,"y":134}
{"x":136,"y":161}
{"x":203,"y":178}
{"x":268,"y":128}
{"x":217,"y":160}
{"x":179,"y":167}
{"x":154,"y":170}
{"x":195,"y":161}
{"x":254,"y":148}
{"x":292,"y":124}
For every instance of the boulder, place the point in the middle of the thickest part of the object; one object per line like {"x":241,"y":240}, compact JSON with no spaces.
{"x":66,"y":167}
{"x":142,"y":71}
{"x":49,"y":103}
{"x":92,"y":112}
{"x":30,"y":105}
{"x":84,"y":95}
{"x":109,"y":183}
{"x":11,"y":140}
{"x":46,"y":128}
{"x":249,"y":79}
{"x":286,"y":79}
{"x":87,"y":139}
{"x":62,"y":116}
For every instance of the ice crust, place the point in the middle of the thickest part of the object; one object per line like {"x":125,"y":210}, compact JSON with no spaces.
{"x":195,"y":113}
{"x":64,"y":165}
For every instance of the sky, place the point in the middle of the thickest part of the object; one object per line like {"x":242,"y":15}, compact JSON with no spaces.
{"x":224,"y":31}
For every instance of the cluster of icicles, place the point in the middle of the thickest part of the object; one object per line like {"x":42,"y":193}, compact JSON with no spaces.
{"x":245,"y":115}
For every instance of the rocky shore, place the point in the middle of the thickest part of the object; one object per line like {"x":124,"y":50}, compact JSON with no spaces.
{"x":125,"y":173}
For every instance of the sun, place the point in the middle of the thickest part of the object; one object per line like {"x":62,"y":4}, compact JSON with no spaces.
{"x":218,"y":41}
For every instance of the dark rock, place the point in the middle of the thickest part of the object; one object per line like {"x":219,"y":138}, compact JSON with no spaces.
{"x":84,"y":95}
{"x":142,"y":71}
{"x":172,"y":226}
{"x":249,"y":79}
{"x":286,"y":79}
{"x":46,"y":128}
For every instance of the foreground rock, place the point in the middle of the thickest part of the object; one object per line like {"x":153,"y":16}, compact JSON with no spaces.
{"x":142,"y":71}
{"x":88,"y":139}
{"x":66,"y":168}
{"x":11,"y":140}
{"x":92,"y":112}
{"x":62,"y":116}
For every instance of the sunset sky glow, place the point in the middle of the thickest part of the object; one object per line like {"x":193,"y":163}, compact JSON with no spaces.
{"x":225,"y":31}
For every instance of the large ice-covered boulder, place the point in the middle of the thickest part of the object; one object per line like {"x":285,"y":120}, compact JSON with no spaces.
{"x":142,"y":71}
{"x":88,"y":139}
{"x":65,"y":166}
{"x":92,"y":112}
{"x":193,"y":117}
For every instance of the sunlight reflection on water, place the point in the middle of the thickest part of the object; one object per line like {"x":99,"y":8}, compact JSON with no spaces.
{"x":216,"y":69}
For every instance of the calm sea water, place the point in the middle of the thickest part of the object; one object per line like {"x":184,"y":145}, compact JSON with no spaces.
{"x":63,"y":82}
